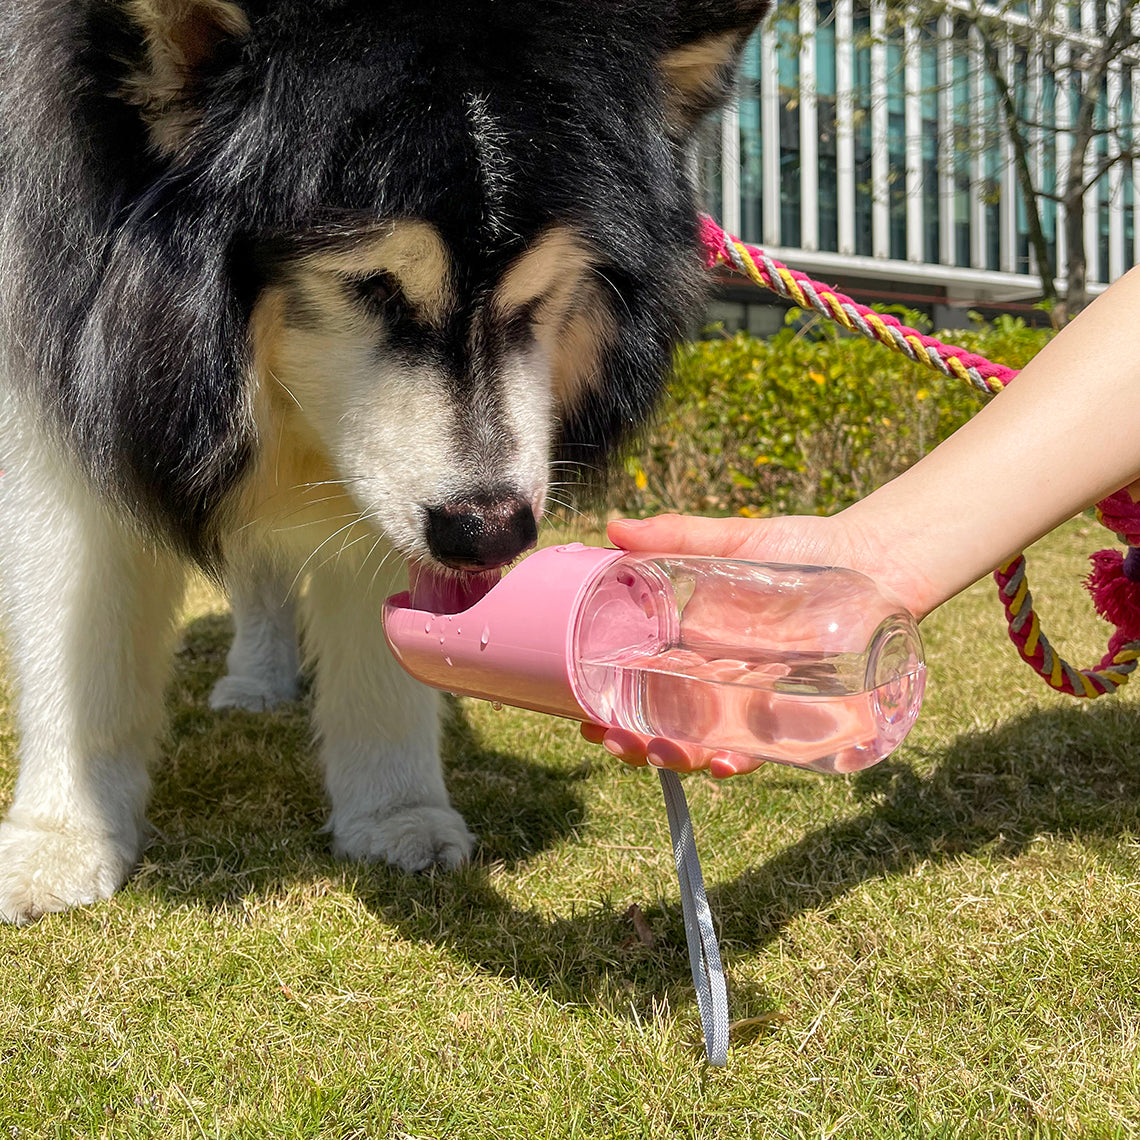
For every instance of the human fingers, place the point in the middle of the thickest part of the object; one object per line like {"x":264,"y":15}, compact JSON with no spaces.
{"x":627,"y":746}
{"x":722,"y":765}
{"x":681,"y":534}
{"x":676,"y":757}
{"x":637,"y":750}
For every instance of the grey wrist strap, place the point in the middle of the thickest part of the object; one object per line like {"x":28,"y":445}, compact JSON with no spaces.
{"x":704,"y":953}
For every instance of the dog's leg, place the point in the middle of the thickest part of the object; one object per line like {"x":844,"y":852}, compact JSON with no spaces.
{"x":89,"y":629}
{"x":261,"y":666}
{"x":379,"y":735}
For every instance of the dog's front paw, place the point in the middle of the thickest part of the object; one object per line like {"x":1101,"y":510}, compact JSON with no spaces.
{"x":414,"y":839}
{"x":255,"y":693}
{"x":43,"y":870}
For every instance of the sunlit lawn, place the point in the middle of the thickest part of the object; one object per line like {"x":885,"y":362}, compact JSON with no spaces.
{"x":943,"y":945}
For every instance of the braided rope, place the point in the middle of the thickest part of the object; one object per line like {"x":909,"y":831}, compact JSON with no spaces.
{"x":755,"y":264}
{"x":1025,"y":630}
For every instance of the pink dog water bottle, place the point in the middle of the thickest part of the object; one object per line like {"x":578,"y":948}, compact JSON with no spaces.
{"x":802,"y":665}
{"x":798,"y":664}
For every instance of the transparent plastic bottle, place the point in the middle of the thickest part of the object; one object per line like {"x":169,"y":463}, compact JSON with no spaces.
{"x":804,"y":665}
{"x":801,"y":665}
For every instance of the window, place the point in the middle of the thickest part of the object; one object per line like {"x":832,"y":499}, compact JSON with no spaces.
{"x":751,"y":146}
{"x":825,"y":125}
{"x":709,"y":185}
{"x":1022,"y":262}
{"x":992,"y":162}
{"x":931,"y":219}
{"x":787,"y":33}
{"x":961,"y":117}
{"x":896,"y":143}
{"x":1049,"y":151}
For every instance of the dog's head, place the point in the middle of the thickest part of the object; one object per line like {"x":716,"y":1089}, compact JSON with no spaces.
{"x":446,"y":242}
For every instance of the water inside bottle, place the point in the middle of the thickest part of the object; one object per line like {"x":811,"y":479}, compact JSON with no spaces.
{"x":832,"y":713}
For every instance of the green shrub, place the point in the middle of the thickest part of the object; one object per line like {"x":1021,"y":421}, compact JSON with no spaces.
{"x":807,"y":421}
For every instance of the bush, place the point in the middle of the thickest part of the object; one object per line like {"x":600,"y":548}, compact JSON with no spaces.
{"x":807,"y":421}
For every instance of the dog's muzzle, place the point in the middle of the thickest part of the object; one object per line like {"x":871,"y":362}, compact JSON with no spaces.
{"x":483,"y":532}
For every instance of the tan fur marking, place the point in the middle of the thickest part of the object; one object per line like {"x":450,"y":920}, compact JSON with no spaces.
{"x":574,"y":346}
{"x":180,"y":37}
{"x":411,"y":251}
{"x":550,"y":269}
{"x":573,"y":322}
{"x":691,"y":69}
{"x":293,"y":485}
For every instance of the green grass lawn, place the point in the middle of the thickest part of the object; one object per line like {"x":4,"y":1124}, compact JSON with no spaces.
{"x":945,"y":945}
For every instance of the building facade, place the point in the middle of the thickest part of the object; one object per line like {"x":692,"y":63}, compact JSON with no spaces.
{"x":867,"y":147}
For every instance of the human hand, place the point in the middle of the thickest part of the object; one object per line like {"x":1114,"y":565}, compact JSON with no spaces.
{"x":638,"y":751}
{"x":804,"y":540}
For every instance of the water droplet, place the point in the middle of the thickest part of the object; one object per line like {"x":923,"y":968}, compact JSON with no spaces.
{"x":485,"y":638}
{"x":448,"y":660}
{"x":441,"y":639}
{"x":427,"y":628}
{"x":497,"y":706}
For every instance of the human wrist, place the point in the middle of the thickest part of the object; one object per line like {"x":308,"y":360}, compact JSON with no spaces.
{"x":900,"y":556}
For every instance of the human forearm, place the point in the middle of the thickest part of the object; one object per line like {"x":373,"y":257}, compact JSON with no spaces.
{"x":1063,"y":435}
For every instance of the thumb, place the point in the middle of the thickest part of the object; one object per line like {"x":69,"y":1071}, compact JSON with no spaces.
{"x":681,"y":534}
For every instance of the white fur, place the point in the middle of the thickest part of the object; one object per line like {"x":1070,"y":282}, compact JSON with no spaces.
{"x":262,"y":665}
{"x":379,"y":732}
{"x":90,"y":610}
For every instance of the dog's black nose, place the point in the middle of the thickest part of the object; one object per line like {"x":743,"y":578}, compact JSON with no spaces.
{"x":481,"y":532}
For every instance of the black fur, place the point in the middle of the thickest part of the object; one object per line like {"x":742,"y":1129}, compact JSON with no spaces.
{"x":130,"y":276}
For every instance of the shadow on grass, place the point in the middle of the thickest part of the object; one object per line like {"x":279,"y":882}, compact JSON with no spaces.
{"x":1066,"y":771}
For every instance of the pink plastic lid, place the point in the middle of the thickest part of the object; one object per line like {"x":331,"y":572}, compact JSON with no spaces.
{"x":515,"y":644}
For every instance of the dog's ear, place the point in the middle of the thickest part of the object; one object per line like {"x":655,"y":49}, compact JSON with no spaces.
{"x":181,"y":38}
{"x":706,"y":38}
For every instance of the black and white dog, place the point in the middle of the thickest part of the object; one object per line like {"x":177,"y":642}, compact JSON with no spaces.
{"x":286,"y":286}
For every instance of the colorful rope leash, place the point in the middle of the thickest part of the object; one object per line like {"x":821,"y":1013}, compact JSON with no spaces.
{"x":1115,"y":579}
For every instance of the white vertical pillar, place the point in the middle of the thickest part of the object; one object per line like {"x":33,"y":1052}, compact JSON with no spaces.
{"x":1007,"y":212}
{"x":880,"y":155}
{"x":1063,"y":75}
{"x":770,"y":135}
{"x":809,"y":131}
{"x":730,"y":166}
{"x":1092,"y":197}
{"x":844,"y":124}
{"x":912,"y":94}
{"x":977,"y":157}
{"x":946,"y":138}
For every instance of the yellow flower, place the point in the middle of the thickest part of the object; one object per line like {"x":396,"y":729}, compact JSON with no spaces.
{"x":641,"y":480}
{"x":760,"y":460}
{"x":922,"y":394}
{"x":818,"y":377}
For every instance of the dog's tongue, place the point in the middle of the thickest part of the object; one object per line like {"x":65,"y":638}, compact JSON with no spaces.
{"x":447,"y":592}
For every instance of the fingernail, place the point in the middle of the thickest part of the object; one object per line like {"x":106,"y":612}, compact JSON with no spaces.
{"x":613,"y":748}
{"x":664,"y":753}
{"x":632,"y":522}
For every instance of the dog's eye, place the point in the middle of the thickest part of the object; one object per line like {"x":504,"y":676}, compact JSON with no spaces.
{"x":379,"y":292}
